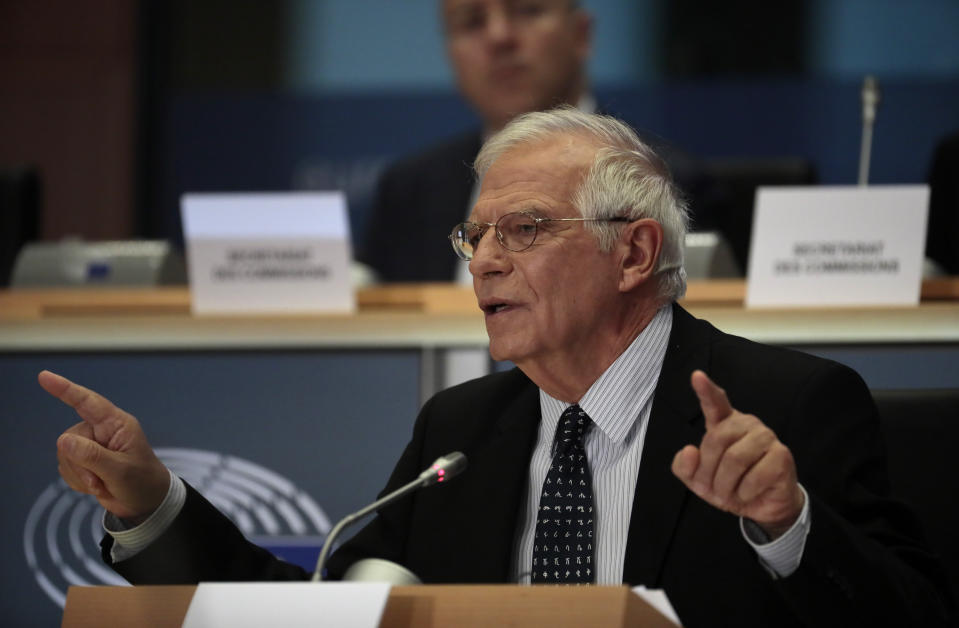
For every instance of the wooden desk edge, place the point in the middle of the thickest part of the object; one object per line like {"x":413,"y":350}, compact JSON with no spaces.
{"x":428,"y":605}
{"x":429,"y":298}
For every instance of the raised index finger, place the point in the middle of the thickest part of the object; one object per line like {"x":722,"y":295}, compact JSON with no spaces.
{"x":712,"y":398}
{"x":90,"y":406}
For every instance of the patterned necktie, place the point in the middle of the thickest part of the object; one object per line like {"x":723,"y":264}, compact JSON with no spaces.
{"x":563,"y":547}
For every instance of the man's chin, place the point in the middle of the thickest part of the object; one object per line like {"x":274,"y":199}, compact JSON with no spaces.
{"x":513,"y":351}
{"x":505,"y":109}
{"x":501,"y":351}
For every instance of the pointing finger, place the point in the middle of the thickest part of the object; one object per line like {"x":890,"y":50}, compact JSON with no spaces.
{"x":90,"y":406}
{"x":712,"y":398}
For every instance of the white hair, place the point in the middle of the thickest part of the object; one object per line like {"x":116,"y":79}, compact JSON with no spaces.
{"x":627,"y":178}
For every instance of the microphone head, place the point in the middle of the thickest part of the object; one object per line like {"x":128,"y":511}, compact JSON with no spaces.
{"x":870,"y":97}
{"x":444,"y":468}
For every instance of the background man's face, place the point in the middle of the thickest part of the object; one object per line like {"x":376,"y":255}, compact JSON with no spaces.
{"x":513,"y":56}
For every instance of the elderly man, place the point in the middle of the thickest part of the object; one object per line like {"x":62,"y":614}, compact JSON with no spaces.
{"x":608,"y":455}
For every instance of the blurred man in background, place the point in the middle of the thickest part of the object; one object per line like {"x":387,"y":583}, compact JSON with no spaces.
{"x":508,"y":57}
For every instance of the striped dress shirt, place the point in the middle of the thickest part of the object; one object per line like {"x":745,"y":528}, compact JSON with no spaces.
{"x":618,"y":403}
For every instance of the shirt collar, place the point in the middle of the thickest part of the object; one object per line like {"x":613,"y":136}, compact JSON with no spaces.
{"x":617,"y":398}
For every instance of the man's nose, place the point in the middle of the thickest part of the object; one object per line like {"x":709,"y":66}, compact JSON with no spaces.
{"x":488,"y":256}
{"x":500,"y":28}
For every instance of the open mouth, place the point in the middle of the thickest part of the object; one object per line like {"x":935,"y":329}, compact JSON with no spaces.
{"x":495,"y":308}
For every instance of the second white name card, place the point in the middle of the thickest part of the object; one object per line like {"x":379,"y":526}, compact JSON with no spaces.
{"x":837,"y":246}
{"x":268,"y":253}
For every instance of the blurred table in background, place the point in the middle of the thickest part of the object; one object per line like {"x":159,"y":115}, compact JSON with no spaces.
{"x":431,"y":319}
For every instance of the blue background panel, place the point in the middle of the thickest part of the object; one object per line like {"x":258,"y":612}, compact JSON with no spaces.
{"x":333,"y":423}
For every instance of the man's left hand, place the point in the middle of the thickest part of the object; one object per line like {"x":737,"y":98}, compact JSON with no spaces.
{"x":740,"y":466}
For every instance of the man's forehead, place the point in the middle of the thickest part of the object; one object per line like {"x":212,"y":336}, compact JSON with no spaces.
{"x":455,"y":4}
{"x":537,"y":176}
{"x":453,"y":7}
{"x":448,"y":7}
{"x":560,"y":151}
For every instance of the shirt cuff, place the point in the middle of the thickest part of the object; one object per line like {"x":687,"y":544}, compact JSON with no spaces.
{"x":782,"y":556}
{"x":129,"y":541}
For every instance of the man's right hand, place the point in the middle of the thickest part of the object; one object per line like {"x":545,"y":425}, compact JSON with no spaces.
{"x":107,"y":454}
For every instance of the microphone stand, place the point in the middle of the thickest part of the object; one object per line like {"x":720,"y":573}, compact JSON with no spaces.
{"x":870,"y":101}
{"x":359,"y":514}
{"x":442,"y":470}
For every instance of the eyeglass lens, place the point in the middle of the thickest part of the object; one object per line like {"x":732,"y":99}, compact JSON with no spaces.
{"x":515,"y":231}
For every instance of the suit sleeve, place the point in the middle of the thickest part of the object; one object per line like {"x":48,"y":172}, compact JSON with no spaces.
{"x":202,"y":544}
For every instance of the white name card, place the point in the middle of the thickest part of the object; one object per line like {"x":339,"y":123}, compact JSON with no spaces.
{"x":268,"y":253}
{"x":837,"y":246}
{"x":287,"y":604}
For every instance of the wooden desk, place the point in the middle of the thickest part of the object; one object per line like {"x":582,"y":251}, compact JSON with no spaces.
{"x":420,"y":606}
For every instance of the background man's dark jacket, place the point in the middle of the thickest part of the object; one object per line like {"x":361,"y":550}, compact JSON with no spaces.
{"x":417,"y":202}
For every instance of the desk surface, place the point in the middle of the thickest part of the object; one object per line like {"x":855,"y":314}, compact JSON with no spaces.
{"x":415,"y":317}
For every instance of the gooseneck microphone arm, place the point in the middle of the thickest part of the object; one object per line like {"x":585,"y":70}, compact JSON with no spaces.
{"x":870,"y":103}
{"x":444,"y":469}
{"x":353,"y":518}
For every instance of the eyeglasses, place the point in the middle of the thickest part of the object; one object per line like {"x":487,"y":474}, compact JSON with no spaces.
{"x":515,"y":231}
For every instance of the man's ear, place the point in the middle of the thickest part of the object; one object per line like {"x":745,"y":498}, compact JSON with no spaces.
{"x":583,"y":25}
{"x":642,"y":243}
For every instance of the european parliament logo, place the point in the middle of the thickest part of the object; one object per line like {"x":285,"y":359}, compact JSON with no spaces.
{"x":61,"y":538}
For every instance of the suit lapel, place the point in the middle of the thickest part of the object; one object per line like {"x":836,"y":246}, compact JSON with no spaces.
{"x":675,"y":421}
{"x":503,"y":464}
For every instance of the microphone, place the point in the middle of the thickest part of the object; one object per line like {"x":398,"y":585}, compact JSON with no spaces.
{"x":870,"y":102}
{"x":443,"y":469}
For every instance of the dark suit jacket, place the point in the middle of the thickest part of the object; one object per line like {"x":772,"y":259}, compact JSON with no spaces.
{"x":942,"y":235}
{"x":417,"y":202}
{"x":862,"y":563}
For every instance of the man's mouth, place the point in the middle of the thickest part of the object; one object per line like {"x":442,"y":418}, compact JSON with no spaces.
{"x":508,"y":72}
{"x":494,"y":306}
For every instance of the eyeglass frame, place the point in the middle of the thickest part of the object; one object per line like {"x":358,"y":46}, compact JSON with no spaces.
{"x":499,"y":234}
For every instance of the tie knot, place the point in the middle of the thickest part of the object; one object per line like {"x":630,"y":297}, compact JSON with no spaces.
{"x":571,"y":429}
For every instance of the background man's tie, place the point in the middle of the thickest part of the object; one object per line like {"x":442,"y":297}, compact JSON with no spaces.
{"x":563,"y":548}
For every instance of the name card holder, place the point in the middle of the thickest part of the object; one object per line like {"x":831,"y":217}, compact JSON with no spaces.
{"x":837,"y":246}
{"x":268,"y":253}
